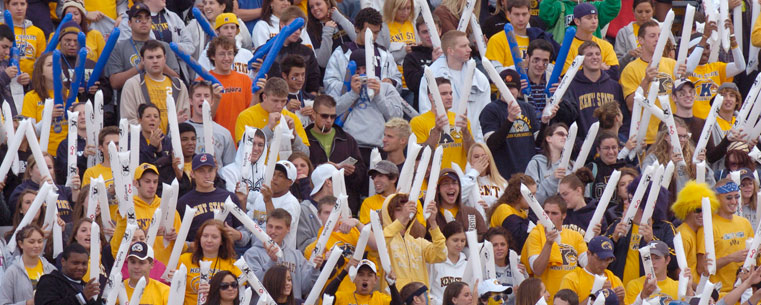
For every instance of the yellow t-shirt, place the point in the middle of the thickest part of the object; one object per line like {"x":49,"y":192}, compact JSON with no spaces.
{"x":31,"y":44}
{"x":35,"y":273}
{"x":707,"y":79}
{"x":143,"y":214}
{"x":375,"y":202}
{"x":155,"y":292}
{"x":690,"y":242}
{"x":194,"y":274}
{"x":632,"y":76}
{"x":453,"y":145}
{"x":59,"y":127}
{"x":255,"y":116}
{"x":669,"y":290}
{"x":631,"y":269}
{"x":351,"y":298}
{"x":101,"y":271}
{"x":563,"y":257}
{"x":728,"y":237}
{"x":108,"y":177}
{"x":343,"y":240}
{"x":453,"y":210}
{"x":106,"y":7}
{"x":157,"y":94}
{"x":498,"y":49}
{"x":401,"y":33}
{"x":581,"y":281}
{"x":724,"y":124}
{"x":606,"y":51}
{"x":502,"y":212}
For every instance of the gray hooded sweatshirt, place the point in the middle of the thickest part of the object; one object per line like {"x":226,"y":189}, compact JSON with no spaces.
{"x":366,"y":120}
{"x":17,"y":287}
{"x":302,"y":273}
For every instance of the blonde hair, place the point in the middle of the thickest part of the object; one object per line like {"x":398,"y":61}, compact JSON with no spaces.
{"x":494,"y":175}
{"x":662,"y":149}
{"x":401,"y":126}
{"x":390,"y":7}
{"x":457,"y":6}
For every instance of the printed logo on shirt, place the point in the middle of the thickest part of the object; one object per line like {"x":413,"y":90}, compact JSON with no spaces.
{"x":665,"y":83}
{"x":706,"y":88}
{"x":208,"y":207}
{"x":25,"y":48}
{"x":570,"y":258}
{"x":489,"y":190}
{"x":446,"y":280}
{"x":521,"y":128}
{"x":134,"y":60}
{"x":576,"y":228}
{"x":595,"y":100}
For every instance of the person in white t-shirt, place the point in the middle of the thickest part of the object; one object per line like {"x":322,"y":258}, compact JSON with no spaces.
{"x":277,"y":195}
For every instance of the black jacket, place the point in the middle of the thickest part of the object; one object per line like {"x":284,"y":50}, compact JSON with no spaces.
{"x":414,"y":63}
{"x":56,"y":289}
{"x":495,"y":23}
{"x":662,"y":230}
{"x":313,"y":80}
{"x":344,"y":146}
{"x":61,"y":159}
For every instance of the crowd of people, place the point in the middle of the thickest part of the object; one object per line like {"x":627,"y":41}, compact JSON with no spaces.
{"x":393,"y":152}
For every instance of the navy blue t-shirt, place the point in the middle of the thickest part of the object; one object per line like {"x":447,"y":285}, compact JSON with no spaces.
{"x":206,"y":203}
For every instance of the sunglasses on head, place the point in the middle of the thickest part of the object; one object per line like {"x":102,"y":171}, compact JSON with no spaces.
{"x":225,"y":286}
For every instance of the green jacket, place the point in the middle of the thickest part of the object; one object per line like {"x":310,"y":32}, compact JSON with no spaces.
{"x":550,"y":11}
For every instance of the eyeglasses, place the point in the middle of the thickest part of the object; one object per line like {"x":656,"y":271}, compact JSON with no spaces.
{"x":560,"y":133}
{"x":699,"y":210}
{"x":141,"y":19}
{"x":326,"y":116}
{"x":685,"y":136}
{"x":225,"y":285}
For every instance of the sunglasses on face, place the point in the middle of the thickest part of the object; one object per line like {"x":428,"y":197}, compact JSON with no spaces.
{"x":225,"y":286}
{"x":497,"y":297}
{"x":326,"y":116}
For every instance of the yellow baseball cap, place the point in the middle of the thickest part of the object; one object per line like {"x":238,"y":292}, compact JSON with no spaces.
{"x":140,"y":170}
{"x":225,"y":18}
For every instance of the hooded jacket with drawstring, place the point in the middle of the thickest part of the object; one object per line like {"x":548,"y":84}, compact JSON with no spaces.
{"x":143,"y":215}
{"x":410,"y":255}
{"x":468,"y":216}
{"x":17,"y":287}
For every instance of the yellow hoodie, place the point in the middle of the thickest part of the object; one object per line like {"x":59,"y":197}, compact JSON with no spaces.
{"x":143,"y":214}
{"x":409,"y":255}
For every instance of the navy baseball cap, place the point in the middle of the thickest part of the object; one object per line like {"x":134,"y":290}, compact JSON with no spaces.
{"x":602,"y":247}
{"x":137,"y":8}
{"x":204,"y":159}
{"x":609,"y":295}
{"x":583,"y":9}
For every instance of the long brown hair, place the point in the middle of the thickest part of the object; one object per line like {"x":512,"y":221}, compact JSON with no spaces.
{"x":452,"y":291}
{"x":18,"y":215}
{"x":38,"y":77}
{"x":662,"y":149}
{"x":314,"y":26}
{"x":32,"y":162}
{"x":529,"y":292}
{"x":226,"y":250}
{"x":546,"y":146}
{"x":25,"y":232}
{"x":512,"y":194}
{"x":274,"y":281}
{"x":216,"y":280}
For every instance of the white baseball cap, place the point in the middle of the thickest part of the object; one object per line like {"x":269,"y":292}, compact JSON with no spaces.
{"x":320,"y":174}
{"x":288,"y":168}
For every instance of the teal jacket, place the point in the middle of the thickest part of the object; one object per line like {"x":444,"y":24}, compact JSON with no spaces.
{"x":550,"y":11}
